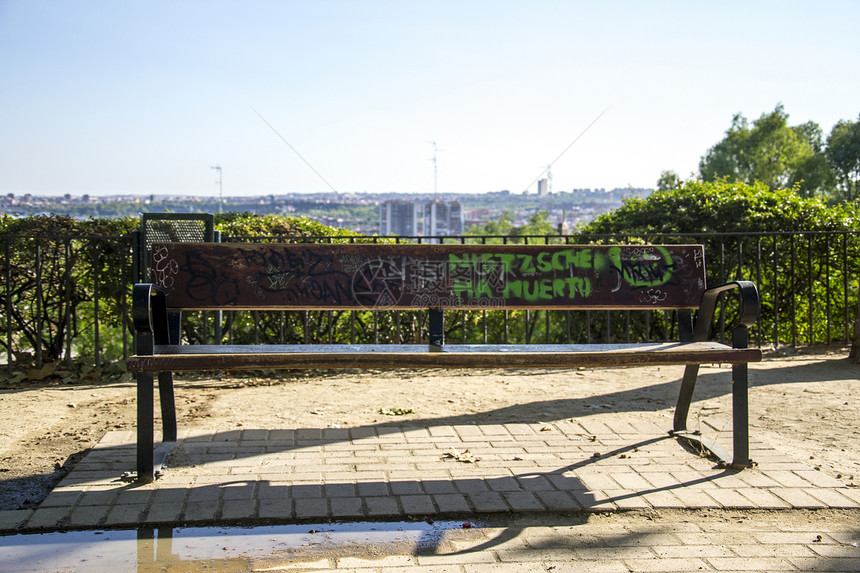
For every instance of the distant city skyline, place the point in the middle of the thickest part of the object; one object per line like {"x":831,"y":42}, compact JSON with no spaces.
{"x":115,"y":98}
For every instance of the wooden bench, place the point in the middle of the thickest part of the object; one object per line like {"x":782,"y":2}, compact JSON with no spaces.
{"x":432,"y":279}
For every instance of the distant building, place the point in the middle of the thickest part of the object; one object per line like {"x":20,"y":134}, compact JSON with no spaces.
{"x":443,"y":218}
{"x":543,"y":187}
{"x":398,"y":217}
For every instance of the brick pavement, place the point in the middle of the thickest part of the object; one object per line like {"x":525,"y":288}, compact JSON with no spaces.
{"x":616,"y":495}
{"x":396,"y":472}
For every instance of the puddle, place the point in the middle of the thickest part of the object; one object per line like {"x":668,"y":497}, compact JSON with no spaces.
{"x":234,"y":549}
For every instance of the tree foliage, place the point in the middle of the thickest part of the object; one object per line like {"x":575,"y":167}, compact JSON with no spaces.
{"x":66,"y":282}
{"x":537,"y":225}
{"x":668,"y":180}
{"x":249,"y":224}
{"x":723,"y":206}
{"x":61,"y":276}
{"x":771,"y":152}
{"x":809,"y":277}
{"x":843,"y":151}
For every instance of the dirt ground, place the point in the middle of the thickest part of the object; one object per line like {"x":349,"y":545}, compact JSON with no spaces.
{"x":802,"y":403}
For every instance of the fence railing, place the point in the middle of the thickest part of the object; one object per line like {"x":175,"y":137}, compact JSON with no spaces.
{"x":67,"y":299}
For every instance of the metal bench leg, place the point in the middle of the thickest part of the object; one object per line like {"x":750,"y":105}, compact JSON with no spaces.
{"x":145,"y":427}
{"x":168,"y":406}
{"x":740,"y":416}
{"x":740,"y":457}
{"x":740,"y":404}
{"x":682,"y":409}
{"x":685,"y":398}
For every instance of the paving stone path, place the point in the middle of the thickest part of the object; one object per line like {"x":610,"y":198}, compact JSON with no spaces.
{"x":542,"y":491}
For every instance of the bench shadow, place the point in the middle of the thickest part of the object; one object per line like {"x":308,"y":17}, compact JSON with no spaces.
{"x":570,"y":501}
{"x":652,"y":398}
{"x":483,"y":496}
{"x":710,"y":384}
{"x":643,"y":399}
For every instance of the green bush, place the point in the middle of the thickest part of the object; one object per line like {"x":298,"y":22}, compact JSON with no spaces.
{"x":792,"y":266}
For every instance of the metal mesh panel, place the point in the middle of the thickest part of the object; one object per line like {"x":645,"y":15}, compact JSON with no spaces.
{"x":172,"y":228}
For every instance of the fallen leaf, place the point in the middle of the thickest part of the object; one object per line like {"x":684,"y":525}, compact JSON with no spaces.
{"x":397,"y":411}
{"x":464,"y":456}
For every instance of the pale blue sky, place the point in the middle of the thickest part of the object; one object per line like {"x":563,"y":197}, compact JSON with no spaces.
{"x":111,"y":96}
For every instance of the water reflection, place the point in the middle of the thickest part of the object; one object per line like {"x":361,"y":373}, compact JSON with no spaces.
{"x":227,"y":549}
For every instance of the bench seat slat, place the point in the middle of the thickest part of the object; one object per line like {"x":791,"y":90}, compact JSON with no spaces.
{"x":249,"y":357}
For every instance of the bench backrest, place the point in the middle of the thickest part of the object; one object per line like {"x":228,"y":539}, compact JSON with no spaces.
{"x":418,"y":276}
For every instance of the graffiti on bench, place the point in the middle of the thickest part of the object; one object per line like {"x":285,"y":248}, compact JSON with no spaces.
{"x":428,"y":276}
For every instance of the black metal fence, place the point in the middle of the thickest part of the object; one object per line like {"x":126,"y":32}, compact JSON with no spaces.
{"x":66,"y":299}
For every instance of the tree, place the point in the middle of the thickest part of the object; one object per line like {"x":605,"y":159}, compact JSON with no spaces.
{"x":66,"y":276}
{"x":52,"y":266}
{"x":721,"y":206}
{"x":499,"y":226}
{"x":843,"y":151}
{"x":537,"y":225}
{"x":668,"y":180}
{"x":772,"y":152}
{"x":802,"y":273}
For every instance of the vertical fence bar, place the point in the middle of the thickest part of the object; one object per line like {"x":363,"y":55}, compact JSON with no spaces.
{"x":607,"y":330}
{"x":739,"y":272}
{"x":827,"y":287}
{"x":282,"y":319}
{"x":721,"y":279}
{"x":793,"y":293}
{"x":776,"y":298}
{"x":588,"y":338}
{"x":846,"y":334}
{"x":811,"y":300}
{"x":647,"y":325}
{"x":505,"y":339}
{"x":528,"y":312}
{"x":463,"y":313}
{"x":484,"y":326}
{"x":505,"y":312}
{"x":528,"y":333}
{"x":38,"y":348}
{"x":484,"y":312}
{"x":567,"y":326}
{"x":96,"y":316}
{"x":67,"y":279}
{"x":8,"y":255}
{"x":124,"y":276}
{"x":759,"y":330}
{"x":546,"y":325}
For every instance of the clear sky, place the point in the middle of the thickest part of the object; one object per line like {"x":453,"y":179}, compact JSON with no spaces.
{"x":115,"y":96}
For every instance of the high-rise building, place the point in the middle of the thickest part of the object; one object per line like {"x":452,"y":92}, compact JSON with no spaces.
{"x":443,"y":218}
{"x":543,"y":188}
{"x":398,"y":217}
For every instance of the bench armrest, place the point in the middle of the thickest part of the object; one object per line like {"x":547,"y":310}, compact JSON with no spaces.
{"x":149,"y":313}
{"x":750,"y":307}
